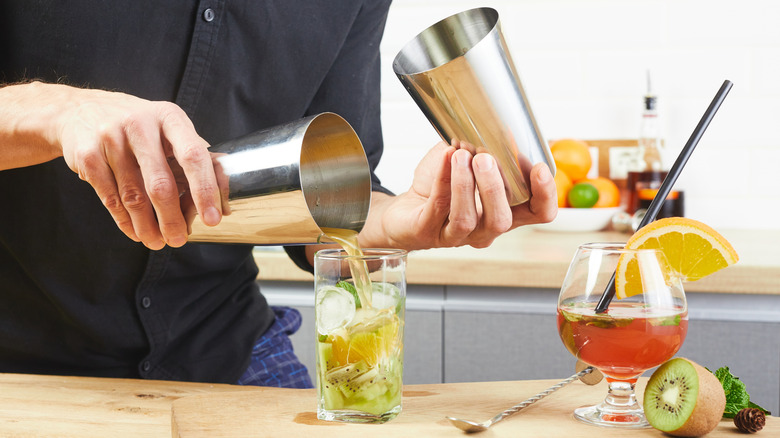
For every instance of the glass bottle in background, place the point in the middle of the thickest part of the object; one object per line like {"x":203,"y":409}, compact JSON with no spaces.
{"x":650,"y":169}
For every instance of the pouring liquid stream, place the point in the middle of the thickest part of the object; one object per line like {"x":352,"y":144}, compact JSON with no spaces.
{"x":348,"y":239}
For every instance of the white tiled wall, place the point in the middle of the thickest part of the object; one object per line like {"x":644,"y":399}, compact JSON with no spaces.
{"x":583,"y":64}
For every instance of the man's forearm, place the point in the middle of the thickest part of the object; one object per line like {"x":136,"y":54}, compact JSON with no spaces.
{"x":27,"y":128}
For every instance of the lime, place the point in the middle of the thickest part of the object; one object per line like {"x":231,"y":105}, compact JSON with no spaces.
{"x":583,"y":195}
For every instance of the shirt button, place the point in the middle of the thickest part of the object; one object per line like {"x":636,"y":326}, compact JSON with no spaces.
{"x":146,"y":366}
{"x":146,"y":302}
{"x":208,"y":15}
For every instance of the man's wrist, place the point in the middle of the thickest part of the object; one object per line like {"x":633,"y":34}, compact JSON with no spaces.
{"x":373,"y":234}
{"x":29,"y":115}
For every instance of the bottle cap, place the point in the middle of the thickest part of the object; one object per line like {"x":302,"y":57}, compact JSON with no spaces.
{"x":650,"y":102}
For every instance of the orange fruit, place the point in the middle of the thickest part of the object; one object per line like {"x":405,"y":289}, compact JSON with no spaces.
{"x":562,"y":185}
{"x":693,"y":250}
{"x":373,"y":346}
{"x":609,"y":194}
{"x":573,"y":157}
{"x":340,"y":346}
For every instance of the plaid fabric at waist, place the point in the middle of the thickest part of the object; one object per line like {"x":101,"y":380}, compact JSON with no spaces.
{"x":273,"y":362}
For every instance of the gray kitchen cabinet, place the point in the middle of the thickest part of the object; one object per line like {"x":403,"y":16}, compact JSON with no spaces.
{"x":502,"y":334}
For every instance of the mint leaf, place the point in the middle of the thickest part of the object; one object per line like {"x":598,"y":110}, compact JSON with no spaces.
{"x":349,"y":287}
{"x":600,"y":321}
{"x":755,"y":406}
{"x":724,"y":376}
{"x":571,"y":316}
{"x":606,"y":322}
{"x":671,"y":320}
{"x":737,"y":397}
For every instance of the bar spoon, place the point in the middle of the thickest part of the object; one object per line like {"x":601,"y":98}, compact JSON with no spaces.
{"x":472,"y":426}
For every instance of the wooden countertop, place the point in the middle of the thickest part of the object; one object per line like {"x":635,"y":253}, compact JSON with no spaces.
{"x":529,"y":257}
{"x":84,"y":407}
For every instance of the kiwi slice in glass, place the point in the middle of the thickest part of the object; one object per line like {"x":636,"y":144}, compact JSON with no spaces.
{"x":683,"y":398}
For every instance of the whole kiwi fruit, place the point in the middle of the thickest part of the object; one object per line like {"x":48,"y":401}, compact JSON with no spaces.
{"x":683,"y":398}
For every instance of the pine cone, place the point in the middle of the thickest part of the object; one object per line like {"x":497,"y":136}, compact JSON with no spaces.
{"x":750,"y":420}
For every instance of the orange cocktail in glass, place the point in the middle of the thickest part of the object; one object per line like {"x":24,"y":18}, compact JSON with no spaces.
{"x":635,"y":334}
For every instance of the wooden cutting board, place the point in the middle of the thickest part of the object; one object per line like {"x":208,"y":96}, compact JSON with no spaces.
{"x":292,"y":413}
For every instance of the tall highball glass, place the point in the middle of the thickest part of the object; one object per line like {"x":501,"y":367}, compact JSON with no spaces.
{"x":359,"y":311}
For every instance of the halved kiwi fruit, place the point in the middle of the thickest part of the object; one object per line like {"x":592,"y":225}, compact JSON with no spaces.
{"x":683,"y":398}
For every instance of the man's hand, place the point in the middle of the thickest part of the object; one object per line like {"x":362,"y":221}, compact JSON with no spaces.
{"x":456,"y":199}
{"x":127,"y":148}
{"x":122,"y":145}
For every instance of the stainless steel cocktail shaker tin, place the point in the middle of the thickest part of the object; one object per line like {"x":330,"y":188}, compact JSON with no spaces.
{"x":460,"y":73}
{"x":288,"y":182}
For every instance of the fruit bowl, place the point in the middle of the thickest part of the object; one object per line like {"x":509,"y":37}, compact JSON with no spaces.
{"x":581,"y":219}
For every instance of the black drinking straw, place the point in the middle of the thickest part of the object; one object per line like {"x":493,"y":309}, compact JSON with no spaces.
{"x":671,"y":178}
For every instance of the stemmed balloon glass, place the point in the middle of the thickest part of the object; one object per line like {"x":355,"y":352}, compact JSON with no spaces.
{"x":643,"y":326}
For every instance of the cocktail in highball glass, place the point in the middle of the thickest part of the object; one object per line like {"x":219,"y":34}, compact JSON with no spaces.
{"x":359,"y":312}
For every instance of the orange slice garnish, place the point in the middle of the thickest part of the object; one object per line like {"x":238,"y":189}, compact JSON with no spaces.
{"x":693,"y":249}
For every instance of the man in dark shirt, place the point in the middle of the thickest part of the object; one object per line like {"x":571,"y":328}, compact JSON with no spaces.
{"x":95,"y":276}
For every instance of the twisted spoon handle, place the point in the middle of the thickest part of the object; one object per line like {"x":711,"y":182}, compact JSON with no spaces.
{"x":516,"y":408}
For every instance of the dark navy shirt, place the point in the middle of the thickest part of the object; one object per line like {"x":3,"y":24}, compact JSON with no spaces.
{"x":78,"y":297}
